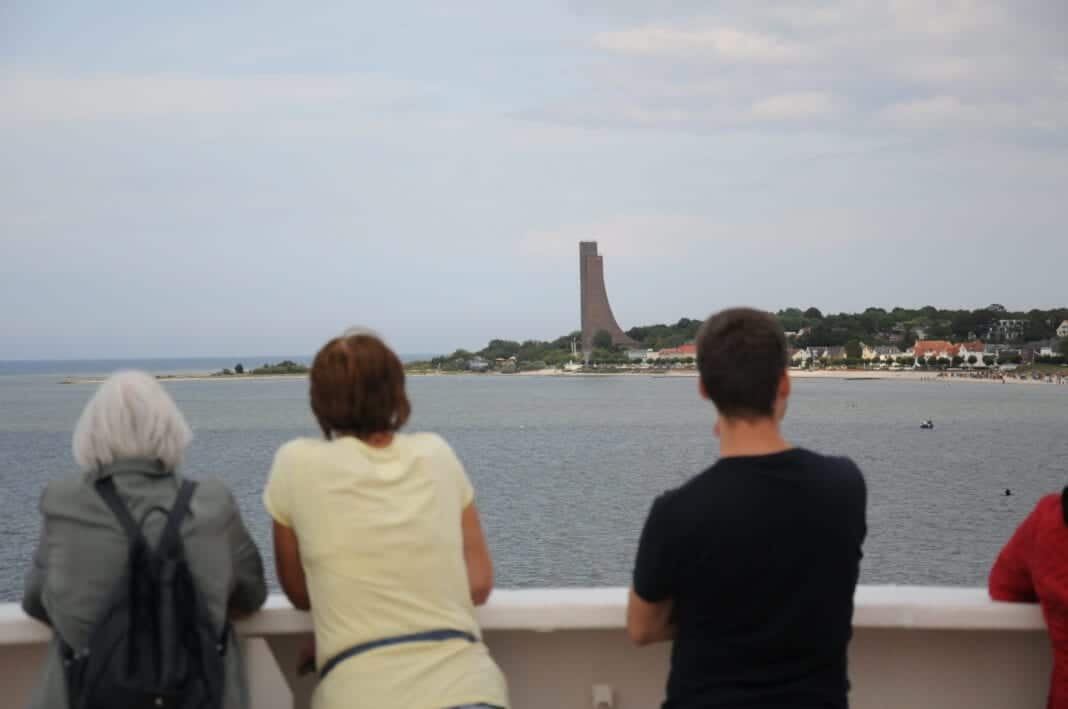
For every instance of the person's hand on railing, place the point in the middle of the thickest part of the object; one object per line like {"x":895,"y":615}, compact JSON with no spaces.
{"x":306,"y":657}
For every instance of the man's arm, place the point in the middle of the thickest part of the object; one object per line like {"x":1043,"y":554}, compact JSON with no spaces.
{"x":648,"y":623}
{"x":649,"y":608}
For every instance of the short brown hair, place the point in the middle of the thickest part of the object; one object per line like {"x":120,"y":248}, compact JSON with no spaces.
{"x":357,"y":387}
{"x":741,"y":355}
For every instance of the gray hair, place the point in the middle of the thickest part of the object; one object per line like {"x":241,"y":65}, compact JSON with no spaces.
{"x":360,"y":330}
{"x":130,"y":416}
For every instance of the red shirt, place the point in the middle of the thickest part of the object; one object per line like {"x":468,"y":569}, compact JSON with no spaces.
{"x":1033,"y":567}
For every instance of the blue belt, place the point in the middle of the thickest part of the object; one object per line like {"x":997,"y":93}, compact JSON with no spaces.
{"x":427,"y":636}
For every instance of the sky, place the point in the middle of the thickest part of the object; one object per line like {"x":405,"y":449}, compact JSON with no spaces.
{"x":184,"y":179}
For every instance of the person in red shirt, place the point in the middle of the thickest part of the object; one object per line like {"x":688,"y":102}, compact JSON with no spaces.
{"x":1033,"y":567}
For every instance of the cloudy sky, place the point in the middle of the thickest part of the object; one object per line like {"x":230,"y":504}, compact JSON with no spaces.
{"x":225,"y":178}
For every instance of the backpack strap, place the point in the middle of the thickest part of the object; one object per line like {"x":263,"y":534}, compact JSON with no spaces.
{"x":169,"y":539}
{"x":105,"y":487}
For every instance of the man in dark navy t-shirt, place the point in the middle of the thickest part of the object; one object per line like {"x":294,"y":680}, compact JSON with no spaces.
{"x":751,"y":566}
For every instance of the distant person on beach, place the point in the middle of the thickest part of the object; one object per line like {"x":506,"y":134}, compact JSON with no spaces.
{"x":750,"y":567}
{"x":376,"y":532}
{"x":126,"y":501}
{"x":1033,"y":568}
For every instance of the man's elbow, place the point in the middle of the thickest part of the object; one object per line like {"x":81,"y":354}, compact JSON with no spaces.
{"x":639,"y":636}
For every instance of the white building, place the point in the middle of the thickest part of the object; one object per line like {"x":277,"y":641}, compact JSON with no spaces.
{"x":1062,"y":331}
{"x":642,"y":355}
{"x":880,"y":353}
{"x":1007,"y":329}
{"x":972,"y":349}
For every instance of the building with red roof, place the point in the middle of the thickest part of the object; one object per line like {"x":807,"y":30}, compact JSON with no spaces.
{"x":925,"y":349}
{"x":680,"y":352}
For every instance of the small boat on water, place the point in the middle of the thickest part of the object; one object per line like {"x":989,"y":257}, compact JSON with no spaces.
{"x":927,"y":424}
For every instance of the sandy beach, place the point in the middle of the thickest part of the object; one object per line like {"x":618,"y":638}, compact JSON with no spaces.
{"x":834,"y":374}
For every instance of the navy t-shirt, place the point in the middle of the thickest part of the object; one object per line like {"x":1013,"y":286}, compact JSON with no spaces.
{"x":760,"y":556}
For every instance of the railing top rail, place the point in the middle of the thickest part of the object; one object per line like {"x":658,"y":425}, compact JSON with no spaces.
{"x":549,"y":609}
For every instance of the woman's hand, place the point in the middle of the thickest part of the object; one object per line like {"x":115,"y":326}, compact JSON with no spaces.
{"x":306,"y":657}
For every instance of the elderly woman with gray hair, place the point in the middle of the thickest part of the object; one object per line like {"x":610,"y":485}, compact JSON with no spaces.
{"x":130,"y":439}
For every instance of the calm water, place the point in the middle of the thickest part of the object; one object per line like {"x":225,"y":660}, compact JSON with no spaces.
{"x":565,"y":469}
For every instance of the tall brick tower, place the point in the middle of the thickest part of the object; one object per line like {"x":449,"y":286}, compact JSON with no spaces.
{"x":596,"y":312}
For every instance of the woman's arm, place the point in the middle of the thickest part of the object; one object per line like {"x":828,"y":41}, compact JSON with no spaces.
{"x":476,"y":556}
{"x":290,"y":570}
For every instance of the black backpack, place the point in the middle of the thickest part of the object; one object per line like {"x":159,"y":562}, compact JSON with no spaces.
{"x":154,"y":646}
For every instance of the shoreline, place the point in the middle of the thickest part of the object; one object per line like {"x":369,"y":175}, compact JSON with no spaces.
{"x":189,"y":377}
{"x":839,"y":374}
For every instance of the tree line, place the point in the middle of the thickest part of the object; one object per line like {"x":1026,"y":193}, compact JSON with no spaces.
{"x":874,"y":326}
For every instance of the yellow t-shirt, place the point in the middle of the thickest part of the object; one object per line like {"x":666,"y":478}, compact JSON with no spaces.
{"x":382,"y":548}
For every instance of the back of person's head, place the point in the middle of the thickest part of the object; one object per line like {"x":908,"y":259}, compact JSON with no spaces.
{"x":357,"y":387}
{"x":130,"y":416}
{"x":742,"y":358}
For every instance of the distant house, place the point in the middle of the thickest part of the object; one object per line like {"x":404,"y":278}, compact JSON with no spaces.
{"x":880,"y":352}
{"x":1062,"y":331}
{"x":969,"y":349}
{"x":680,"y":352}
{"x":829,"y":353}
{"x":835,"y":352}
{"x":1006,"y":330}
{"x":934,"y":349}
{"x":641,"y":355}
{"x":477,"y":364}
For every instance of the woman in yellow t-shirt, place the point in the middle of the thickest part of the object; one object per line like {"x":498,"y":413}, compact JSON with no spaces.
{"x":377,"y":534}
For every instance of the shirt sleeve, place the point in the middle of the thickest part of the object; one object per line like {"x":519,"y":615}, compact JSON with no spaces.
{"x":250,"y":586}
{"x":459,"y":475}
{"x":654,"y":567}
{"x":1010,"y":578}
{"x":33,"y":588}
{"x":277,"y":497}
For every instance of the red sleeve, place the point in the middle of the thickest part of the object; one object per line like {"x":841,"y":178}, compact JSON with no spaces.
{"x":1010,"y":579}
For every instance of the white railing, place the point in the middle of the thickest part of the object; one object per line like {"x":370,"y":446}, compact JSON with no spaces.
{"x":913,"y":647}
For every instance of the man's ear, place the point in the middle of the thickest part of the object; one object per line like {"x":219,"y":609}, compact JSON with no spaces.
{"x":701,"y":389}
{"x":785,"y":386}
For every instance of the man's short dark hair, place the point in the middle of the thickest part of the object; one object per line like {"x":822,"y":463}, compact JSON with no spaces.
{"x":741,"y":355}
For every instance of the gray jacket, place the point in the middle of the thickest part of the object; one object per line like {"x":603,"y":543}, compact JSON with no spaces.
{"x":82,"y":552}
